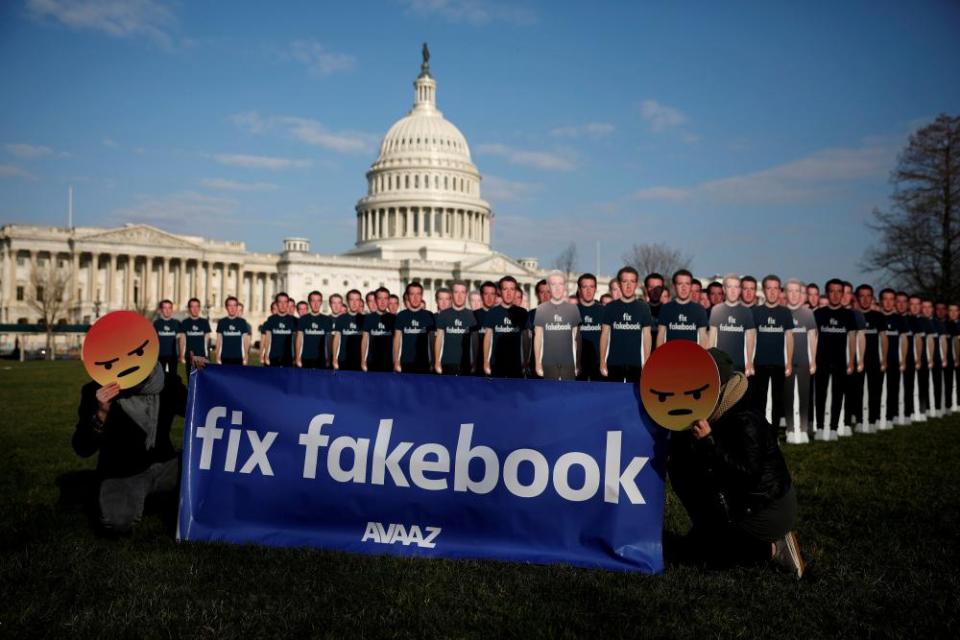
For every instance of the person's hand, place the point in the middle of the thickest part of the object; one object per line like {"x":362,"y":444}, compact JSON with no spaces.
{"x":438,"y":369}
{"x":749,"y":370}
{"x":603,"y":371}
{"x":813,"y":368}
{"x":363,"y":366}
{"x":199,"y":362}
{"x":860,"y":368}
{"x":540,"y":370}
{"x":184,"y":360}
{"x":849,"y":369}
{"x":883,"y":367}
{"x":701,"y":429}
{"x":265,"y":362}
{"x":918,"y":366}
{"x":903,"y":366}
{"x":336,"y":365}
{"x":397,"y":367}
{"x":105,"y":396}
{"x":787,"y":371}
{"x":488,"y":371}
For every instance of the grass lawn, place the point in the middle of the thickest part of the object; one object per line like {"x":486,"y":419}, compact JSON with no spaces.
{"x":879,"y":524}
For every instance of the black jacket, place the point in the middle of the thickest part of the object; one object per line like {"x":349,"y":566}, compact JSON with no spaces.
{"x":121,"y":441}
{"x":734,"y":472}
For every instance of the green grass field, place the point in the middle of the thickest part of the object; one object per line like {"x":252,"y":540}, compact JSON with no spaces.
{"x":880,"y":526}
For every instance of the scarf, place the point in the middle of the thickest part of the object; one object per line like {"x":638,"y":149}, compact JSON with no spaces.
{"x":730,"y":394}
{"x":143,"y":404}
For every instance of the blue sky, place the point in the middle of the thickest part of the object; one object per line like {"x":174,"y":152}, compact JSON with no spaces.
{"x":755,"y":137}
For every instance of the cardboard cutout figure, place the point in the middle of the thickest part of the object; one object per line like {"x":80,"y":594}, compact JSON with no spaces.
{"x":120,"y":347}
{"x":679,"y":385}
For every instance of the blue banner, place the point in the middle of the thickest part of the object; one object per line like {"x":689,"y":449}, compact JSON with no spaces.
{"x":423,"y":465}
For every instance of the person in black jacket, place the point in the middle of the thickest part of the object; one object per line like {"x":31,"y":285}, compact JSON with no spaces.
{"x":131,"y":430}
{"x":733,"y":481}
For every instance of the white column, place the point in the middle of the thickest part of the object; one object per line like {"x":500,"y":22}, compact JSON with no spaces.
{"x":111,"y":270}
{"x":419,"y":212}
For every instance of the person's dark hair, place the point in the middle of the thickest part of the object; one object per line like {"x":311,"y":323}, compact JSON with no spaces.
{"x":507,"y":279}
{"x":165,"y":301}
{"x":487,"y":285}
{"x":382,"y":289}
{"x":356,"y":291}
{"x":197,"y":300}
{"x":864,"y":287}
{"x":747,"y":279}
{"x":412,"y":285}
{"x":627,"y":269}
{"x":394,"y":296}
{"x":281,"y":293}
{"x":888,"y":290}
{"x":714,"y":286}
{"x":813,"y":285}
{"x":337,"y":296}
{"x":915,"y":296}
{"x":586,"y":276}
{"x":605,"y":296}
{"x":772,"y":278}
{"x":681,"y":272}
{"x":540,"y":283}
{"x":314,"y":293}
{"x":847,"y":283}
{"x":652,"y":276}
{"x":832,"y":281}
{"x":229,"y":298}
{"x":442,"y":290}
{"x":370,"y":294}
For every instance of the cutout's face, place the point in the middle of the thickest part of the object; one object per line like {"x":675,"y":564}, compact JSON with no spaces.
{"x":120,"y":347}
{"x":679,"y":385}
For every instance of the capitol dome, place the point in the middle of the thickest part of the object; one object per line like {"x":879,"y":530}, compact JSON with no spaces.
{"x":423,"y":190}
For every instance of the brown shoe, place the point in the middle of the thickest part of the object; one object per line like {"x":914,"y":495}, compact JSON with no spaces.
{"x":787,"y":555}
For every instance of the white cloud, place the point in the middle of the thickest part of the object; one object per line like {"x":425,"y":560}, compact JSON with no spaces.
{"x":184,"y":210}
{"x":475,"y":12}
{"x":814,"y":176}
{"x":110,"y":143}
{"x":30,"y":151}
{"x":234,"y":185}
{"x":661,"y":117}
{"x":118,"y":18}
{"x":544,"y":160}
{"x":312,"y":132}
{"x":500,"y":189}
{"x":590,"y":129}
{"x":272,"y":163}
{"x":318,"y":59}
{"x":13,"y":171}
{"x":661,"y":193}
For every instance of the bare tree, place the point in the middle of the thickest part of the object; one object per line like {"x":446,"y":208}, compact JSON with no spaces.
{"x":656,"y":257}
{"x":567,"y":260}
{"x":52,"y":297}
{"x":919,"y":245}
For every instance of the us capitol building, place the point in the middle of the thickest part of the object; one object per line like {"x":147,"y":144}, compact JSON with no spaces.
{"x":422,"y":219}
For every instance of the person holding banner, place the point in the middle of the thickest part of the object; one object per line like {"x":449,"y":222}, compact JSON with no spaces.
{"x":835,"y":357}
{"x":453,"y":338}
{"x":233,"y":335}
{"x":626,"y":336}
{"x":733,"y":481}
{"x":411,"y":334}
